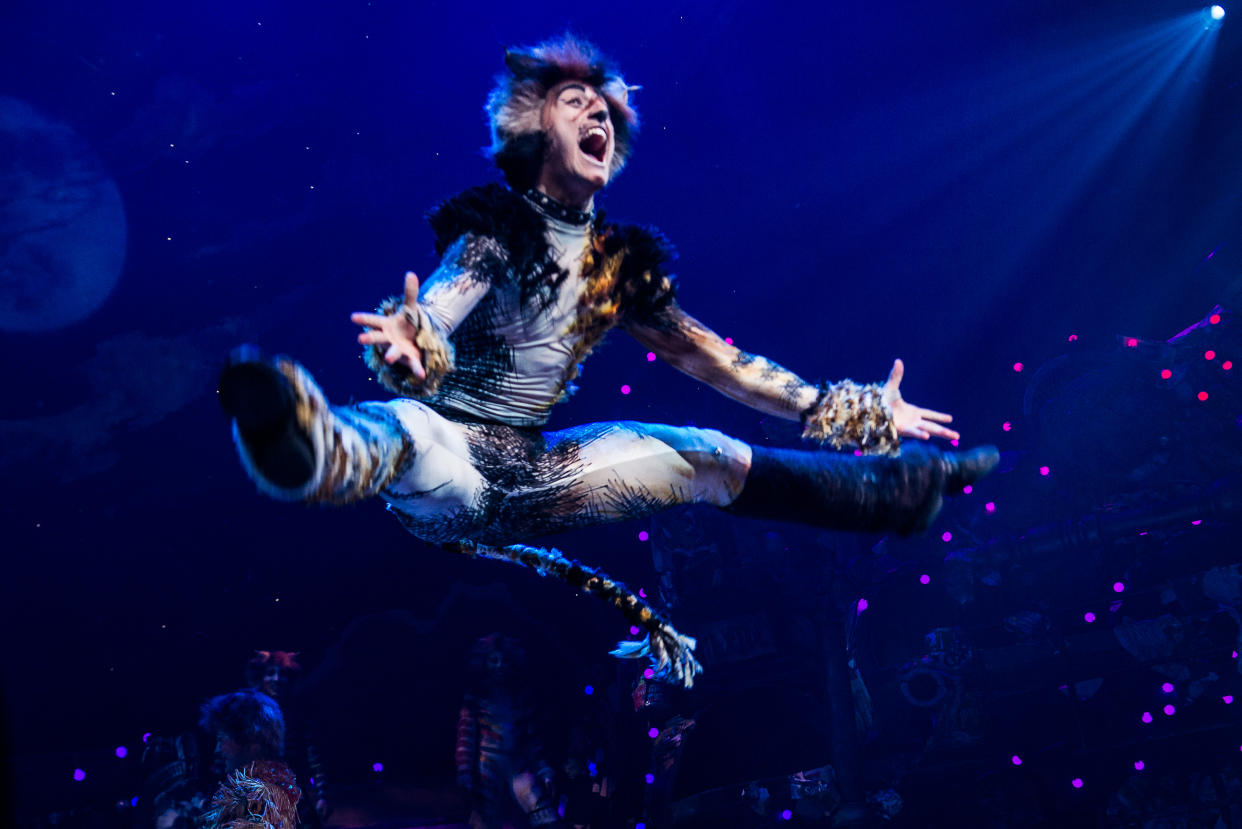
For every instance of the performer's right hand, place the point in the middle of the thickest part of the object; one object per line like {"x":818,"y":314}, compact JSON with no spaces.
{"x":395,"y":331}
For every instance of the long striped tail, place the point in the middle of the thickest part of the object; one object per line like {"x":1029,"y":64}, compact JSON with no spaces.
{"x":671,"y":653}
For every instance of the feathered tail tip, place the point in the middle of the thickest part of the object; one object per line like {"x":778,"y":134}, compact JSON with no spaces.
{"x":671,"y":654}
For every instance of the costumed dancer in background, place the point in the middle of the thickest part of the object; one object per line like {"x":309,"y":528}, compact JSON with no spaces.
{"x":259,"y":789}
{"x":275,"y":673}
{"x":531,"y":278}
{"x":499,"y":756}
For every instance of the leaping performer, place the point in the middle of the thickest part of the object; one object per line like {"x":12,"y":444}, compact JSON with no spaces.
{"x":530,"y":279}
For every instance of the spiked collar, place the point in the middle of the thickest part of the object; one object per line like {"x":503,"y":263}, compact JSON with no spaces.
{"x":563,"y":212}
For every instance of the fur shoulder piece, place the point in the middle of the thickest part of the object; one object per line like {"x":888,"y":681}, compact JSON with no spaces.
{"x":263,"y":794}
{"x":645,"y":287}
{"x":496,"y":211}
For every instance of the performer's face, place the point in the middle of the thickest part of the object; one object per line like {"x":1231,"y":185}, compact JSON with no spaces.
{"x":580,"y":143}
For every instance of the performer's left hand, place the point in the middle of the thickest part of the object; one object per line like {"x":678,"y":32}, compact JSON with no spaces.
{"x":913,"y":421}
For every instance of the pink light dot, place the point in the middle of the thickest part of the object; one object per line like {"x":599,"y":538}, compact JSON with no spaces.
{"x":1165,"y":374}
{"x":1209,"y":354}
{"x":625,"y":389}
{"x":633,"y":630}
{"x":966,"y":490}
{"x":1228,"y":364}
{"x":862,"y":605}
{"x":1169,"y":710}
{"x":1017,"y":367}
{"x":1088,"y":616}
{"x":642,"y":593}
{"x":1131,"y":342}
{"x":1006,"y":426}
{"x":79,"y":775}
{"x":1043,"y":470}
{"x":954,"y":442}
{"x":1076,"y":782}
{"x":1227,"y":699}
{"x":1235,"y":655}
{"x":1203,"y":395}
{"x":146,"y":737}
{"x":1167,"y":687}
{"x":648,"y":673}
{"x":653,"y":732}
{"x":728,"y":341}
{"x":651,"y":358}
{"x":1196,"y":523}
{"x":924,"y":579}
{"x":121,"y":751}
{"x":377,"y":767}
{"x":1147,"y":717}
{"x":1016,"y":760}
{"x":858,"y":453}
{"x":947,"y":536}
{"x":990,"y":506}
{"x":1139,"y":765}
{"x":1072,"y":338}
{"x":1118,"y":587}
{"x":643,"y":535}
{"x":1215,"y":318}
{"x":650,"y":778}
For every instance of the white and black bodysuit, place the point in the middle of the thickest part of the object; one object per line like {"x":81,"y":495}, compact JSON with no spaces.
{"x":525,"y":289}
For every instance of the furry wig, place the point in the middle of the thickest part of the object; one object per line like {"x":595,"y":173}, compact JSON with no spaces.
{"x":515,"y":105}
{"x":285,"y":660}
{"x":249,"y":718}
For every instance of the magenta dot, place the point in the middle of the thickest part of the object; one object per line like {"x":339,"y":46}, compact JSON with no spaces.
{"x":651,"y":358}
{"x":858,"y":453}
{"x":1167,"y":687}
{"x":1076,"y":782}
{"x":653,"y":732}
{"x":1016,"y":760}
{"x":954,"y":442}
{"x":924,"y":579}
{"x":121,"y":751}
{"x":633,"y":630}
{"x":377,"y":767}
{"x":1089,"y":616}
{"x":1043,"y":470}
{"x":648,"y":673}
{"x":643,"y":535}
{"x":1165,"y":374}
{"x":1017,"y":367}
{"x":1215,"y":318}
{"x":862,"y":605}
{"x":728,"y":341}
{"x":1147,"y":717}
{"x":966,"y":490}
{"x":1169,"y":710}
{"x":625,"y":389}
{"x":146,"y":737}
{"x":1197,"y":523}
{"x":946,"y":536}
{"x":1228,"y":364}
{"x":1203,"y":395}
{"x":1228,"y":699}
{"x":1131,"y":342}
{"x":1119,"y":587}
{"x":79,"y":775}
{"x":1209,"y":355}
{"x":787,"y":815}
{"x":1006,"y":426}
{"x":1073,"y":338}
{"x":650,"y":778}
{"x":1139,"y":765}
{"x":1235,"y":655}
{"x":990,"y":506}
{"x":642,"y":593}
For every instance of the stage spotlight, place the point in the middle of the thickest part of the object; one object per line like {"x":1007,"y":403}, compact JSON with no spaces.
{"x":1213,"y":16}
{"x":1217,"y":12}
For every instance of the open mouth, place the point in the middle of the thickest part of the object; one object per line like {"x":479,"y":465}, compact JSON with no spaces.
{"x":594,"y":143}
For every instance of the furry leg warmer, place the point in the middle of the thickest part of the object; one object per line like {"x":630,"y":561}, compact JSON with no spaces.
{"x":298,"y":448}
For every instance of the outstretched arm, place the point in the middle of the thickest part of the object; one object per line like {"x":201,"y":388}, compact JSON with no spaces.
{"x":407,"y":338}
{"x":695,"y":349}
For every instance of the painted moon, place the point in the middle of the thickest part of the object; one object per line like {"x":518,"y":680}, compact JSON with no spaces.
{"x":62,"y":223}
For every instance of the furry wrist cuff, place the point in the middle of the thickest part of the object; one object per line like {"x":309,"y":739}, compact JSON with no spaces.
{"x":436,"y":351}
{"x":848,"y":415}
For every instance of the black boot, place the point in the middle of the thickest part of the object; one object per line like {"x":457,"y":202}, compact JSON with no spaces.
{"x":256,"y":395}
{"x":865,"y":494}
